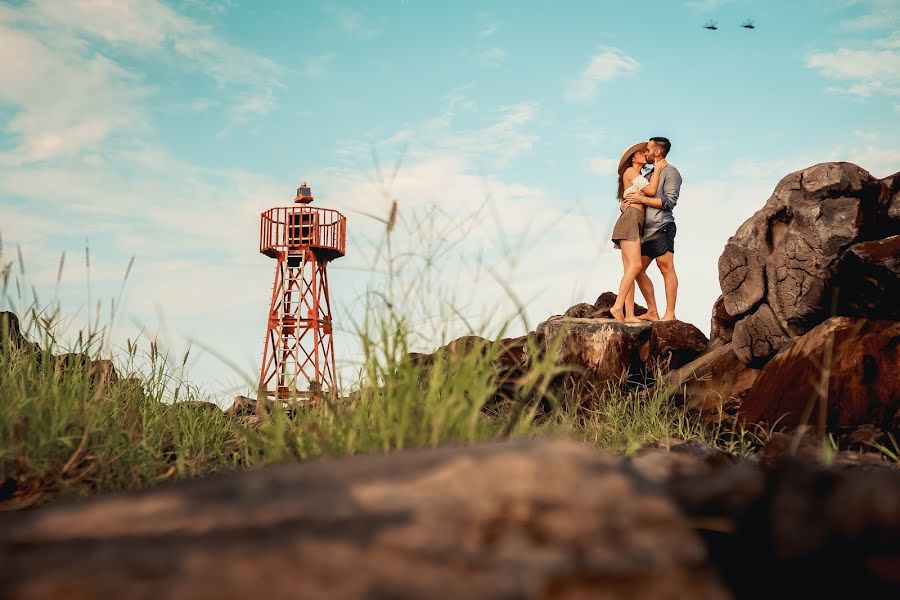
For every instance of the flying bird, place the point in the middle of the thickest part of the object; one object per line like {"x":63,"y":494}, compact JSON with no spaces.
{"x":748,"y":24}
{"x":711,"y":25}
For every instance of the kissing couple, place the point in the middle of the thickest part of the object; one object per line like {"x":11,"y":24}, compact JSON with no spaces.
{"x":645,"y":231}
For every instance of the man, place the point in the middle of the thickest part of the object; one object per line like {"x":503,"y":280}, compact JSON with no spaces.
{"x":658,"y":239}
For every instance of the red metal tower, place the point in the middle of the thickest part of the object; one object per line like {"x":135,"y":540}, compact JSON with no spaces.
{"x":299,"y":348}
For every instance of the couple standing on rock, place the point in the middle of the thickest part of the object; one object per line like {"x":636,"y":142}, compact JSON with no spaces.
{"x":645,"y":230}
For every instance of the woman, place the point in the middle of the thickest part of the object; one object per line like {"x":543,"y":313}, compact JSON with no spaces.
{"x":627,"y":232}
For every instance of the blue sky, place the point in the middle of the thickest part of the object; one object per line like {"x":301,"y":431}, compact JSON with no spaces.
{"x":160,"y":130}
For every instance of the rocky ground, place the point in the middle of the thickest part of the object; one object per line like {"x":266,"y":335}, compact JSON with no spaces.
{"x":519,"y":519}
{"x":805,"y":344}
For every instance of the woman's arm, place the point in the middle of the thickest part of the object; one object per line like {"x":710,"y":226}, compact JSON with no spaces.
{"x":651,"y":189}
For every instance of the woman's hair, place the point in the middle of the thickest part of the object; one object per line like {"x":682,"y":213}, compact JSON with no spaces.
{"x":621,"y":191}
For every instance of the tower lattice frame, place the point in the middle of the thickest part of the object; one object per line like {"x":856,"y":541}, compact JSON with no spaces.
{"x":299,"y":349}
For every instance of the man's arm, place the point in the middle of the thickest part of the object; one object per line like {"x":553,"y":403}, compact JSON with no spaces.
{"x":671,"y":189}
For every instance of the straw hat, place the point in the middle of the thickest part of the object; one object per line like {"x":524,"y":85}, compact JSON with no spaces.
{"x":625,"y":161}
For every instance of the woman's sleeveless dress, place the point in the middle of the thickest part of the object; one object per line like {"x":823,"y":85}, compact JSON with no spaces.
{"x":631,"y":222}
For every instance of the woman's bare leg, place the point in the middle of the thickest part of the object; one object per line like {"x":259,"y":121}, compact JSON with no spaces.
{"x":631,"y":266}
{"x":646,"y":286}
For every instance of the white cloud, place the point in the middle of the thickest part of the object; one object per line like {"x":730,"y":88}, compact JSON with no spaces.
{"x":100,"y":97}
{"x":607,"y":64}
{"x":150,"y":25}
{"x":865,"y":70}
{"x":604,"y":166}
{"x":491,"y":58}
{"x":85,"y":34}
{"x":489,"y":30}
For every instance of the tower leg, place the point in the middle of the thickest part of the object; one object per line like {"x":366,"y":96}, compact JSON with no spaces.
{"x":298,"y":357}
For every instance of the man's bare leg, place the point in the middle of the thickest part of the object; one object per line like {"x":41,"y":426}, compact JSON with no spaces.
{"x":666,"y":264}
{"x":647,"y":291}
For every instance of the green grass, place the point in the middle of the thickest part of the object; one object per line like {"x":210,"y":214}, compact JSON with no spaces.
{"x":64,"y":434}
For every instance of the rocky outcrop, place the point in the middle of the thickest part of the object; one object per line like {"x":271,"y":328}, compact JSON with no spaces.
{"x":604,"y":352}
{"x":526,"y":519}
{"x":849,"y":364}
{"x":714,"y":384}
{"x":777,"y":272}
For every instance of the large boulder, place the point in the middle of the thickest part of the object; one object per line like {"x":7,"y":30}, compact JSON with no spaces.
{"x":523,"y":519}
{"x":714,"y":384}
{"x":852,"y":366}
{"x":601,"y":352}
{"x":604,"y":352}
{"x":776,"y":271}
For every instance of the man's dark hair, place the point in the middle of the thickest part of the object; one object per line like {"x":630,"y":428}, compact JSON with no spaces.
{"x":664,"y":143}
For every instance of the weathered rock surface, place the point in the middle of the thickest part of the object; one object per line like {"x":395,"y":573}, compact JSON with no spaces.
{"x":795,"y":530}
{"x":868,"y":280}
{"x":600,"y":351}
{"x":518,"y":519}
{"x":606,"y":352}
{"x":721,"y":325}
{"x":673,"y":344}
{"x":776,"y":271}
{"x":605,"y":301}
{"x":242,"y":406}
{"x":714,"y":384}
{"x":861,"y":360}
{"x":526,"y":519}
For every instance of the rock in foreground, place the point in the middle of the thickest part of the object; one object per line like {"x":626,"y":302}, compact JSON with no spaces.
{"x":520,"y":519}
{"x":525,"y":519}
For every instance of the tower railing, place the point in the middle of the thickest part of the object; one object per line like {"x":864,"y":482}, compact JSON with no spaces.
{"x":288,"y":229}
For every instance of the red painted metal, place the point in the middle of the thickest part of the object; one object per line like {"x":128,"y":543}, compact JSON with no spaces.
{"x":298,"y":350}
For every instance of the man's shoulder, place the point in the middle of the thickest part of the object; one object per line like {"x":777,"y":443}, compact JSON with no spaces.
{"x":673,"y":170}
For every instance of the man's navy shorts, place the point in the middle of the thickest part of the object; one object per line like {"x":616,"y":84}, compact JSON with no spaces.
{"x":661,"y":242}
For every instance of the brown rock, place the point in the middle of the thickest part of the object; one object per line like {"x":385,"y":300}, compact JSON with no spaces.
{"x":673,"y":344}
{"x":863,"y":383}
{"x":758,"y":336}
{"x":813,"y":532}
{"x":582,"y":310}
{"x":606,"y":300}
{"x":776,"y":270}
{"x":867,"y":274}
{"x":604,"y":352}
{"x":721,"y":325}
{"x":601,"y":352}
{"x":242,"y":407}
{"x":513,"y":352}
{"x":523,"y":519}
{"x":714,"y":383}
